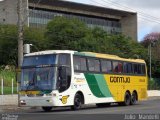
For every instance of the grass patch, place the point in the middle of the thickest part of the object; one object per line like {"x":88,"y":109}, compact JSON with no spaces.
{"x":7,"y":76}
{"x":8,"y":90}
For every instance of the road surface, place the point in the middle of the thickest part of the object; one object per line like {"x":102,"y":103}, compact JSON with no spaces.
{"x":144,"y":110}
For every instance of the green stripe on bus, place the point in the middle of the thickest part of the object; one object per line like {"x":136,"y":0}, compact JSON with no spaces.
{"x":103,"y":85}
{"x":97,"y":85}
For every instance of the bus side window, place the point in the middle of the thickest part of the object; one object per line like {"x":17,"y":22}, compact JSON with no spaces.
{"x":79,"y":63}
{"x":117,"y":67}
{"x":127,"y":67}
{"x":97,"y":66}
{"x":106,"y":66}
{"x":135,"y":68}
{"x":93,"y":65}
{"x":83,"y":64}
{"x":120,"y":67}
{"x":76,"y":62}
{"x":139,"y":69}
{"x":64,"y":60}
{"x":143,"y":70}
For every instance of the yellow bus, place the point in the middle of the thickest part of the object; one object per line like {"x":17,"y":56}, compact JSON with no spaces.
{"x":70,"y":78}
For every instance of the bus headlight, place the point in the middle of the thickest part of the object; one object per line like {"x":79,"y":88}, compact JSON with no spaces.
{"x":22,"y":102}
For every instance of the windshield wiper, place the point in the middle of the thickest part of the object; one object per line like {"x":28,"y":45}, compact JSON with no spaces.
{"x":39,"y":66}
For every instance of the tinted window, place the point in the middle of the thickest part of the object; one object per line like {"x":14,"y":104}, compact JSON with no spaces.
{"x":79,"y":63}
{"x":117,"y":67}
{"x":64,"y":59}
{"x":139,"y":69}
{"x":127,"y":67}
{"x":39,"y":60}
{"x":106,"y":66}
{"x":135,"y":68}
{"x":93,"y":65}
{"x":143,"y":69}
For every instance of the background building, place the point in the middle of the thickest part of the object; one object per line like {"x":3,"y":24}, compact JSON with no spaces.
{"x":37,"y":13}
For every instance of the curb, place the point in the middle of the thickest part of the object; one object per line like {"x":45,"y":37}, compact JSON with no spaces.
{"x":153,"y":98}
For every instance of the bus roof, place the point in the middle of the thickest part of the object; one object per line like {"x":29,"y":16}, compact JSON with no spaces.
{"x":91,"y":54}
{"x":108,"y":56}
{"x":49,"y":52}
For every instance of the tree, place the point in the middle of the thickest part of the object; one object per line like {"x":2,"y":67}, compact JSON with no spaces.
{"x":153,"y":39}
{"x":35,"y":37}
{"x":8,"y":42}
{"x":63,"y":33}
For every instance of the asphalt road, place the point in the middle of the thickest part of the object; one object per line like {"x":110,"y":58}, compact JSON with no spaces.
{"x":149,"y":109}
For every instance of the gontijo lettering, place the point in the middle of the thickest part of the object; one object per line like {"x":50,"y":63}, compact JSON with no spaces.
{"x":114,"y":79}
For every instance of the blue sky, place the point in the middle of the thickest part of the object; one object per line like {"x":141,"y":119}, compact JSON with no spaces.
{"x":148,"y":12}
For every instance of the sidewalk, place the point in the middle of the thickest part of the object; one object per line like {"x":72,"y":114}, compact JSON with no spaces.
{"x":153,"y":93}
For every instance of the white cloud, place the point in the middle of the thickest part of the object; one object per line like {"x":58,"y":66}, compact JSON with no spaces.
{"x":148,"y":12}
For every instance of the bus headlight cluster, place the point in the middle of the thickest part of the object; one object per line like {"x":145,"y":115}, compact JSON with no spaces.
{"x":22,"y":102}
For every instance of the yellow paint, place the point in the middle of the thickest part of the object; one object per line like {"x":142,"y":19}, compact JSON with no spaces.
{"x":118,"y":89}
{"x":114,"y":57}
{"x":137,"y":83}
{"x":64,"y":99}
{"x":29,"y":92}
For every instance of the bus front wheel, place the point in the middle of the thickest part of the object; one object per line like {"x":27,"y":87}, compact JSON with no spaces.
{"x":77,"y":102}
{"x":47,"y":109}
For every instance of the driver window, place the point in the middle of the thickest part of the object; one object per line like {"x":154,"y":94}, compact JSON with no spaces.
{"x":64,"y":60}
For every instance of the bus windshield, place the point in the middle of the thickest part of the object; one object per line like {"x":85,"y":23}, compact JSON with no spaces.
{"x":38,"y":72}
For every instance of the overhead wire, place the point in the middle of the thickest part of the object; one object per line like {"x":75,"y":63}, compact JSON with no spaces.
{"x":143,"y":15}
{"x":139,"y":11}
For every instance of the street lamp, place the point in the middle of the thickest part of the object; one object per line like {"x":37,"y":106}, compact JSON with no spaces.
{"x":150,"y":60}
{"x":152,"y":43}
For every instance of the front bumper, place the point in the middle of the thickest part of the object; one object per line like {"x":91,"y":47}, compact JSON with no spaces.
{"x":37,"y":101}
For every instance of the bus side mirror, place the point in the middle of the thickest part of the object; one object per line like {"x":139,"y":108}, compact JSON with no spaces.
{"x":63,"y":75}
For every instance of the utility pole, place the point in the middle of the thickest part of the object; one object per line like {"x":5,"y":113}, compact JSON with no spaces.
{"x":150,"y":61}
{"x":20,"y":33}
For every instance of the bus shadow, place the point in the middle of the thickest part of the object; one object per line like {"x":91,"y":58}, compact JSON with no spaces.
{"x":66,"y":110}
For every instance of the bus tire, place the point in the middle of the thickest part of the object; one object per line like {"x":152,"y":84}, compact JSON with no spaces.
{"x":77,"y":102}
{"x":127,"y":99}
{"x":133,"y":98}
{"x":47,"y":109}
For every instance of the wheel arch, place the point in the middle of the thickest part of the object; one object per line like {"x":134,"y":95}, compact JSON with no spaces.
{"x":128,"y":92}
{"x":82,"y":95}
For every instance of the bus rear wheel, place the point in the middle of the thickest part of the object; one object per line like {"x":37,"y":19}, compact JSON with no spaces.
{"x":77,"y":102}
{"x":133,"y":98}
{"x":47,"y":109}
{"x":127,"y":99}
